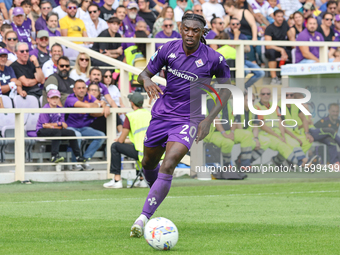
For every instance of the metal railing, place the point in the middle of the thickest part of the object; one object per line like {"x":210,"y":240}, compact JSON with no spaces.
{"x":19,"y":135}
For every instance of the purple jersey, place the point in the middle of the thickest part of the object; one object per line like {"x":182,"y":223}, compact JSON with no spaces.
{"x":306,"y":36}
{"x":24,"y":33}
{"x":102,"y":88}
{"x":49,"y":117}
{"x":5,"y":77}
{"x":40,"y":24}
{"x":210,"y":35}
{"x":129,"y":26}
{"x":185,"y":76}
{"x":162,"y":35}
{"x":0,"y":92}
{"x":78,"y":120}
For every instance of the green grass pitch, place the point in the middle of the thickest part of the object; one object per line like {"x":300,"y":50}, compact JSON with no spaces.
{"x":254,"y":216}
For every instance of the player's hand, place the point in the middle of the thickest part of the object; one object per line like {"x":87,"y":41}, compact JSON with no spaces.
{"x":203,"y":130}
{"x":310,"y":138}
{"x":152,"y":89}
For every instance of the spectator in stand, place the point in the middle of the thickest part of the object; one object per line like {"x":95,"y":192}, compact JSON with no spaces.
{"x":330,"y":6}
{"x":80,"y":123}
{"x":11,"y":39}
{"x":27,"y":7}
{"x":262,"y":10}
{"x":36,"y":12}
{"x":325,"y":28}
{"x":82,"y":11}
{"x":23,"y":32}
{"x":53,"y":124}
{"x":121,"y":14}
{"x":1,"y":103}
{"x":248,"y":26}
{"x":308,"y":9}
{"x":4,"y":28}
{"x":290,"y":6}
{"x":167,"y":13}
{"x":51,"y":66}
{"x":72,"y":27}
{"x":9,"y":82}
{"x":60,"y":80}
{"x":45,"y":8}
{"x":28,"y":71}
{"x":179,"y":11}
{"x":275,"y":6}
{"x":96,"y":77}
{"x":106,"y":10}
{"x":131,"y":19}
{"x":95,"y":24}
{"x":52,"y":24}
{"x":295,"y":30}
{"x":148,"y":15}
{"x":336,"y":55}
{"x":113,"y":89}
{"x":100,"y":122}
{"x":307,"y":54}
{"x":235,"y":34}
{"x":82,"y":67}
{"x":41,"y":52}
{"x":217,"y":26}
{"x":167,"y":32}
{"x":112,"y":49}
{"x":276,"y":32}
{"x":213,"y":7}
{"x":61,"y":10}
{"x":336,"y":28}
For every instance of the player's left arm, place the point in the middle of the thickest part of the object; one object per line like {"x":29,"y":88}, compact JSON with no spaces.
{"x":221,"y":70}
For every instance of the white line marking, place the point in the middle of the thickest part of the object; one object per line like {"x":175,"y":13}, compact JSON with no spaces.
{"x":133,"y":198}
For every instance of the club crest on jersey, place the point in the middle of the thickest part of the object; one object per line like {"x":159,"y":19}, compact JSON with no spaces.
{"x":199,"y":63}
{"x":172,"y":55}
{"x":221,"y":59}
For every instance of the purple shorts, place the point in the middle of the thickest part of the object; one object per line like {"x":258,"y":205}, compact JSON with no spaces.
{"x":162,"y":131}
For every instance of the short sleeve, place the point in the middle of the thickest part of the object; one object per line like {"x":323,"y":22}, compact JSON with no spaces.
{"x":269,"y":31}
{"x":126,"y":123}
{"x":158,"y":59}
{"x":63,"y":23}
{"x":220,"y":69}
{"x":70,"y":101}
{"x":11,"y":72}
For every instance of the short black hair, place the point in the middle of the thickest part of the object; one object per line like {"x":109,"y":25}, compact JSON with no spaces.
{"x":331,"y":2}
{"x":72,"y":2}
{"x":63,"y":58}
{"x":327,"y":13}
{"x":114,"y":20}
{"x":44,"y":2}
{"x":26,"y":2}
{"x":199,"y":18}
{"x":95,"y":68}
{"x":95,"y":5}
{"x":278,"y":11}
{"x":6,"y":26}
{"x":79,"y":80}
{"x":310,"y":17}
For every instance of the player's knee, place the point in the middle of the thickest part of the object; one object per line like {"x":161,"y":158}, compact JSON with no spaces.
{"x":149,"y":164}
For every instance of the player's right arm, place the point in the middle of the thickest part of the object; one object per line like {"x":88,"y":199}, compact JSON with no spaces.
{"x":156,"y":63}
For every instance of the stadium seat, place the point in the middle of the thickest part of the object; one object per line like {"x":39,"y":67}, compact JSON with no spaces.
{"x":8,"y":121}
{"x":40,"y":101}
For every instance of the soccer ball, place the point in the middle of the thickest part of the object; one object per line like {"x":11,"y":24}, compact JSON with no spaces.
{"x":161,"y":233}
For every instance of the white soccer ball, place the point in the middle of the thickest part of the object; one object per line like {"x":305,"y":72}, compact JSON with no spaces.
{"x":161,"y":233}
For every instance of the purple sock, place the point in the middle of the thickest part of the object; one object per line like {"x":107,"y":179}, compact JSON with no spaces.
{"x":157,"y":193}
{"x":151,"y":175}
